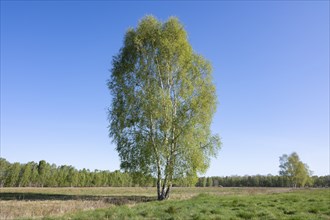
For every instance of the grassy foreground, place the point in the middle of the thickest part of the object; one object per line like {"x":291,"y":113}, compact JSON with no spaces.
{"x":185,"y":203}
{"x":299,"y":204}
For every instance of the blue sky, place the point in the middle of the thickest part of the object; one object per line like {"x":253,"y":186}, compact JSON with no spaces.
{"x":271,"y":69}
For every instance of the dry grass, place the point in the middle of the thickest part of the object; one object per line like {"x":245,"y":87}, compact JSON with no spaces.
{"x":189,"y":192}
{"x":32,"y":202}
{"x":95,"y":191}
{"x":35,"y":209}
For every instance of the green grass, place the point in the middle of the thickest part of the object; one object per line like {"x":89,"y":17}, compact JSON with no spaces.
{"x":297,"y":204}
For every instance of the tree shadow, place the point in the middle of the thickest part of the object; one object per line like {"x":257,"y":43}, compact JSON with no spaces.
{"x":116,"y":200}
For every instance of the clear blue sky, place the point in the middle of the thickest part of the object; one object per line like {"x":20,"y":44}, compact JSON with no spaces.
{"x":271,"y":69}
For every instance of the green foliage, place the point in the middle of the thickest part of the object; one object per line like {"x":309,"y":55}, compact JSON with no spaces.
{"x":209,"y":182}
{"x":297,"y":171}
{"x":163,"y":103}
{"x":258,"y":181}
{"x":43,"y":174}
{"x":4,"y":164}
{"x":13,"y":174}
{"x":26,"y":175}
{"x":203,"y":181}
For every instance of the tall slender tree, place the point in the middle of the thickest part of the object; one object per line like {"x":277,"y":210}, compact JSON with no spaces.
{"x":4,"y":166}
{"x":163,"y":103}
{"x":43,"y":171}
{"x":26,"y":175}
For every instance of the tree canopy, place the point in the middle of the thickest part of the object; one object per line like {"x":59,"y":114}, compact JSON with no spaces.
{"x":163,"y":103}
{"x":297,"y":171}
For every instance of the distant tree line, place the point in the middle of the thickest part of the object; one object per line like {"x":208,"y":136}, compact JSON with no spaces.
{"x":260,"y":181}
{"x":293,"y":173}
{"x":43,"y":174}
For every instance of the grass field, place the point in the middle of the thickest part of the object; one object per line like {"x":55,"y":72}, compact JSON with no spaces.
{"x":185,"y":203}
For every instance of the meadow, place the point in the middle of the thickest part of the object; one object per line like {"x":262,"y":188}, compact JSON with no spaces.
{"x":184,"y":203}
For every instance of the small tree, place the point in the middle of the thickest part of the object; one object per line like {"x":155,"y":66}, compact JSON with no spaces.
{"x":12,"y":179}
{"x":297,"y":172}
{"x":26,"y":175}
{"x":43,"y":171}
{"x":209,"y":182}
{"x":4,"y":166}
{"x":163,"y":103}
{"x":34,"y":174}
{"x":204,"y":182}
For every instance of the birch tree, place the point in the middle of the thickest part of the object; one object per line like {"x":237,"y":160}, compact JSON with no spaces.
{"x":163,"y":101}
{"x":297,"y":171}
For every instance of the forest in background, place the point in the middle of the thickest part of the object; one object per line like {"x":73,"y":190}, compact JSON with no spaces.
{"x":44,"y":174}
